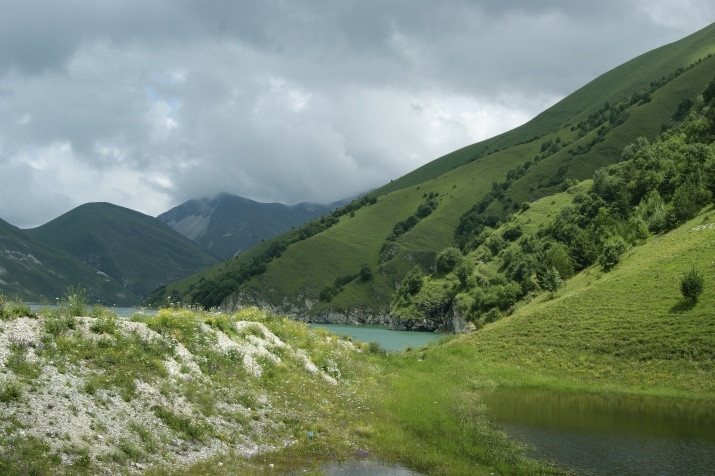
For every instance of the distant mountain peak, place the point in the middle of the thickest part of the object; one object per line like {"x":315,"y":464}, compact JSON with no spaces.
{"x":227,"y":224}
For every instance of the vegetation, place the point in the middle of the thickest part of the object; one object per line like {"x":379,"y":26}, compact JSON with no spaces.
{"x":654,"y":188}
{"x":478,"y":188}
{"x":126,"y":247}
{"x":691,"y":286}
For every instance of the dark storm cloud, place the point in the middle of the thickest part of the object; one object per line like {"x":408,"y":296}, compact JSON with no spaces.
{"x":146,"y":104}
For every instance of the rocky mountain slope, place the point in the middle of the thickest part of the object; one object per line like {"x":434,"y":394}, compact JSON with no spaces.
{"x":228,"y":224}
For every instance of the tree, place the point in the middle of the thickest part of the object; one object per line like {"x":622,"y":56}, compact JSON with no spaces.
{"x":365,"y":273}
{"x":611,"y":253}
{"x":464,"y":273}
{"x":691,"y":286}
{"x":448,"y":259}
{"x":688,"y":199}
{"x":551,"y":280}
{"x":412,"y":282}
{"x":558,"y":257}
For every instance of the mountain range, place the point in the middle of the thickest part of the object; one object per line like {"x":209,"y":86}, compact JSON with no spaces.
{"x":119,"y":255}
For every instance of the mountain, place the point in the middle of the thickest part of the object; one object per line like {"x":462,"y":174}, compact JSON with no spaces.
{"x":347,"y":265}
{"x":33,"y":271}
{"x":228,"y":224}
{"x":134,"y":249}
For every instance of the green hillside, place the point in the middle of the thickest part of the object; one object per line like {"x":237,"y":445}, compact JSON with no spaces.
{"x":479,"y":184}
{"x":628,"y":331}
{"x":33,"y":271}
{"x":134,"y":249}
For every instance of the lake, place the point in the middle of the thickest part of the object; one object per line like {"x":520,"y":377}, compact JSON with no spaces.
{"x":393,"y":341}
{"x":610,"y":434}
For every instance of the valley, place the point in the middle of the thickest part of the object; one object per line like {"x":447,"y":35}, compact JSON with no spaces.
{"x":569,"y":264}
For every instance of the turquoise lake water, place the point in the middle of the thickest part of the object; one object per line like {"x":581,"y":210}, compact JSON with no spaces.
{"x":393,"y":341}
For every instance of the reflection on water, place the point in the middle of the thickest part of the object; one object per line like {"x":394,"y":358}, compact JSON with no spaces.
{"x":366,"y":467}
{"x":359,"y":467}
{"x":393,"y":341}
{"x":610,"y":434}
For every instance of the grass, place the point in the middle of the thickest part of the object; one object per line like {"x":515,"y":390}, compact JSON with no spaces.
{"x":630,"y":326}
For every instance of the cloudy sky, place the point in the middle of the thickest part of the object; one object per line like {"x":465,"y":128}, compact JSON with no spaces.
{"x":149,"y":103}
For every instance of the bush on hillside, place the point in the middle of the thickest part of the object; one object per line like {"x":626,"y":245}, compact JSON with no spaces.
{"x":448,"y":259}
{"x":366,"y":273}
{"x":464,"y":272}
{"x":412,"y":283}
{"x":551,"y":280}
{"x":611,"y":253}
{"x":691,"y":286}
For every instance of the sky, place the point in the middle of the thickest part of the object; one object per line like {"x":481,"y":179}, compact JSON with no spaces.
{"x":147,"y":104}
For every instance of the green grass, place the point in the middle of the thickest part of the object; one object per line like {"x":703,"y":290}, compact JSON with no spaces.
{"x":627,"y":327}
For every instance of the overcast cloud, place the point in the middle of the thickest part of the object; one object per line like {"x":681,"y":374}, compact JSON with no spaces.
{"x":148,"y":104}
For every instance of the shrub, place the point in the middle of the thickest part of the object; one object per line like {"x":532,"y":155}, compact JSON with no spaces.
{"x":611,"y":253}
{"x":491,"y":315}
{"x":512,"y":233}
{"x":551,"y":280}
{"x":688,"y":199}
{"x":375,"y":348}
{"x":558,"y":257}
{"x":10,"y":392}
{"x":507,"y":295}
{"x":691,"y":286}
{"x":448,"y":259}
{"x":413,"y":280}
{"x":495,"y":243}
{"x":76,"y":301}
{"x":464,"y":272}
{"x":366,"y":273}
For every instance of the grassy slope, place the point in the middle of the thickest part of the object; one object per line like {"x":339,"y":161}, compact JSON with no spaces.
{"x":132,"y":248}
{"x":34,"y":271}
{"x":307,"y":267}
{"x":642,"y":121}
{"x":343,"y":248}
{"x":611,"y":86}
{"x":627,"y":331}
{"x":627,"y":327}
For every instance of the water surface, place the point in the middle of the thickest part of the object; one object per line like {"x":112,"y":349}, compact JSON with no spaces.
{"x":394,"y":341}
{"x":610,"y":434}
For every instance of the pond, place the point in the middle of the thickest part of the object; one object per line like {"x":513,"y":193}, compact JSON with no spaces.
{"x":610,"y":434}
{"x":393,"y":341}
{"x":363,"y":467}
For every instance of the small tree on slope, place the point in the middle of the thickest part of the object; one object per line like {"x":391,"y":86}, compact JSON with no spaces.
{"x":692,"y":285}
